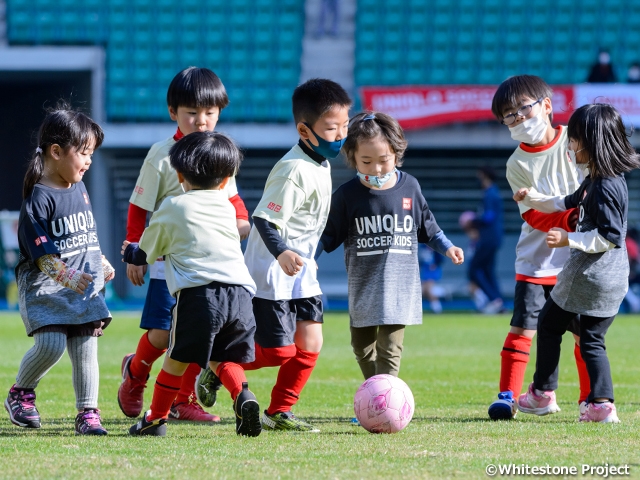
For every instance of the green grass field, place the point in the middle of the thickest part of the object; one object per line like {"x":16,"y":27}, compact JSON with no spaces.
{"x":451,"y":363}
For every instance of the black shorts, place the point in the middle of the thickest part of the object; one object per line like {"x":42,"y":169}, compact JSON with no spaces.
{"x":212,"y":322}
{"x":276,"y":320}
{"x":528,"y":302}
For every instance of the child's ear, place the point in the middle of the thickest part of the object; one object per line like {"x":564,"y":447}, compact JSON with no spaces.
{"x":173,"y":114}
{"x":303,"y":131}
{"x":223,"y":183}
{"x":55,"y":151}
{"x":546,"y":105}
{"x":180,"y":177}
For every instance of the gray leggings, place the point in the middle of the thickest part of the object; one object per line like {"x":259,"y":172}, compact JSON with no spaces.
{"x":378,"y":349}
{"x":48,"y":350}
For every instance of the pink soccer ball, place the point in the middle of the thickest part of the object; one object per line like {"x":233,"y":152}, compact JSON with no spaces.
{"x":383,"y":404}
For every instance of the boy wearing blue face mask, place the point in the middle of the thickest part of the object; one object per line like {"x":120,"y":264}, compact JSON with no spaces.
{"x":523,"y":104}
{"x":381,"y":216}
{"x":280,"y":251}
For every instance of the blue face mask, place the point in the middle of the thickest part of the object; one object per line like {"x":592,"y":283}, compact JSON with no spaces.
{"x":376,"y":182}
{"x":325,"y":148}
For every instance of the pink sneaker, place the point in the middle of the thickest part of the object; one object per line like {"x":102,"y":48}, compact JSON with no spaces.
{"x":538,"y":404}
{"x":191,"y":411}
{"x":600,"y":412}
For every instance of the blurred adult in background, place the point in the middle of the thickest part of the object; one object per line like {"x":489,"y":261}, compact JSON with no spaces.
{"x":430,"y":273}
{"x":489,"y":224}
{"x":328,"y":8}
{"x":633,"y":252}
{"x":602,"y":71}
{"x":633,"y":74}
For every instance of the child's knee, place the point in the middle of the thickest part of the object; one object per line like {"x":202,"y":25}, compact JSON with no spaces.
{"x":278,"y":355}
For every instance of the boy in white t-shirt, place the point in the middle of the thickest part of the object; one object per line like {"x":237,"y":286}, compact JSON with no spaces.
{"x":212,"y":322}
{"x":288,"y":223}
{"x":523,"y":104}
{"x":195,"y":98}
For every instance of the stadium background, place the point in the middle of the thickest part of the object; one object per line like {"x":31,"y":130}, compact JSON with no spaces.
{"x":115,"y":58}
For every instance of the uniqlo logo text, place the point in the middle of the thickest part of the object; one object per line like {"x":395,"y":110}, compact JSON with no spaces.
{"x":273,"y":206}
{"x":406,"y":204}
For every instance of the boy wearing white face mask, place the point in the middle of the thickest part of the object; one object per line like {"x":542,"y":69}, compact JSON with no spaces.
{"x":523,"y":104}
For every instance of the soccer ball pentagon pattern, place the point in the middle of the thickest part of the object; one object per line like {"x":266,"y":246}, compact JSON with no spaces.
{"x":383,"y":404}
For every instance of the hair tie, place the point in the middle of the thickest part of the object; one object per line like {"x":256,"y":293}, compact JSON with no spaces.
{"x":38,"y":150}
{"x":371,"y":116}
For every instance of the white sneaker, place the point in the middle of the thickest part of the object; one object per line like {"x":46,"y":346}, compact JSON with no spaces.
{"x":436,"y":306}
{"x":493,"y":307}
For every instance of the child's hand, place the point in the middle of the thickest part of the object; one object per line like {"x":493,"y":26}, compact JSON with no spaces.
{"x":244,"y":227}
{"x":107,"y":268}
{"x":135,"y":273}
{"x":456,"y":254}
{"x":83,"y":282}
{"x":572,"y":221}
{"x":557,"y":237}
{"x":290,"y":262}
{"x":520,"y":194}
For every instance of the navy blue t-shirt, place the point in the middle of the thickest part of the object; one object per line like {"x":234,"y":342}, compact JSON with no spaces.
{"x":59,"y":222}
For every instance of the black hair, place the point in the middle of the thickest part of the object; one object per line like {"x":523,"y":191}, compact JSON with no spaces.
{"x":315,"y":97}
{"x":488,"y":172}
{"x":65,"y":127}
{"x":205,"y":159}
{"x":196,"y":88}
{"x":368,"y":125}
{"x":599,"y":130}
{"x":511,"y":91}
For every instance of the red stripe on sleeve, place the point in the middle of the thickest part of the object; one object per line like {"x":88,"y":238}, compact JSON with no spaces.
{"x":136,"y":220}
{"x":241,"y":211}
{"x":546,"y":221}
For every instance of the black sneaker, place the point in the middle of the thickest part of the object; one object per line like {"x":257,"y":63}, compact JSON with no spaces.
{"x":89,"y":423}
{"x":21,"y":405}
{"x":207,"y":386}
{"x":157,"y":427}
{"x":247,"y":413}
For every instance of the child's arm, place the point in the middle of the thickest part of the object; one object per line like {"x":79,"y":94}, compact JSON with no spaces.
{"x":242,"y":214}
{"x":132,"y":254}
{"x":589,"y":242}
{"x":136,"y":220}
{"x":441,"y":244}
{"x":60,"y":272}
{"x":108,"y":270}
{"x":290,"y":262}
{"x":337,"y":227}
{"x":430,"y":233}
{"x":531,"y":198}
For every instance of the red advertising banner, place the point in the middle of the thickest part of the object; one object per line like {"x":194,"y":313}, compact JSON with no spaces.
{"x":427,"y":106}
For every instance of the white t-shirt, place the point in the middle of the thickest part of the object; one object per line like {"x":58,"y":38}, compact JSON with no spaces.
{"x":158,"y":180}
{"x":550,"y":171}
{"x":197,"y":234}
{"x":296,"y":199}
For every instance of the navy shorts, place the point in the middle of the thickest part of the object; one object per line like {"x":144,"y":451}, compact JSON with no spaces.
{"x":213,"y":322}
{"x":276,"y":320}
{"x":528,"y":302}
{"x":157,"y":306}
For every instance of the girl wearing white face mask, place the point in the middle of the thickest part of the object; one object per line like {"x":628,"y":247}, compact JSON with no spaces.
{"x":523,"y":104}
{"x":381,"y":216}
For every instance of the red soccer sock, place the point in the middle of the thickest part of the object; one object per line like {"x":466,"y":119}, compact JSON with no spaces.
{"x":188,"y":383}
{"x":270,"y":357}
{"x":583,"y":375}
{"x":146,"y":354}
{"x":231,"y":375}
{"x":164,"y":393}
{"x":292,"y":378}
{"x":515,"y":356}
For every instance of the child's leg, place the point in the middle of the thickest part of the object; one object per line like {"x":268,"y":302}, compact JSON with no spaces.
{"x":363,"y":342}
{"x":166,"y":388}
{"x":592,"y":347}
{"x":83,"y":352}
{"x":583,"y":374}
{"x":152,"y":345}
{"x":231,"y":375}
{"x":294,"y":374}
{"x":552,"y":324}
{"x":188,"y":383}
{"x":47,"y":351}
{"x":389,"y":349}
{"x":270,"y":357}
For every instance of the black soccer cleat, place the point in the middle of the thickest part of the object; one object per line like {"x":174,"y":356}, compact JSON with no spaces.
{"x":157,"y":427}
{"x":247,"y":413}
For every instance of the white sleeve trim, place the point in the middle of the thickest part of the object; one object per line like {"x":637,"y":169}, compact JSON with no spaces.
{"x":590,"y":242}
{"x":543,"y":203}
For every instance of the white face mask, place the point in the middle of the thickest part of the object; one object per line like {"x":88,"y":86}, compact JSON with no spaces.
{"x":374,"y":181}
{"x":531,"y":130}
{"x":572,"y":155}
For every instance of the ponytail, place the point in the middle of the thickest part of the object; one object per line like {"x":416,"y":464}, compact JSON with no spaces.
{"x":67,"y":128}
{"x":35,"y":170}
